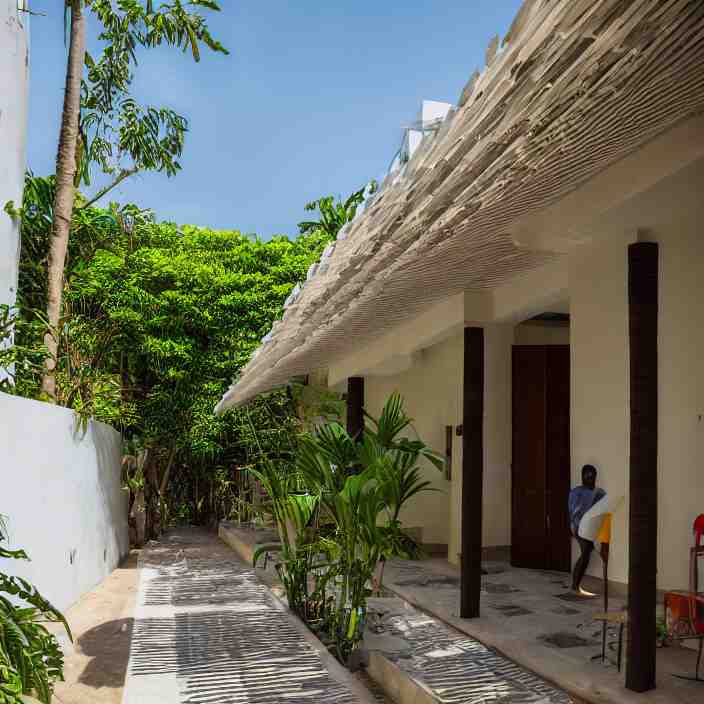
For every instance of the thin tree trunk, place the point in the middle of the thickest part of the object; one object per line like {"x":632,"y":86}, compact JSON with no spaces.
{"x":167,"y":472}
{"x":65,"y":191}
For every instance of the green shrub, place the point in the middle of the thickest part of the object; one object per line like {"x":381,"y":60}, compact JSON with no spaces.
{"x":345,"y":522}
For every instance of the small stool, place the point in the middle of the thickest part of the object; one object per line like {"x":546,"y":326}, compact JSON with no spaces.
{"x":616,"y":618}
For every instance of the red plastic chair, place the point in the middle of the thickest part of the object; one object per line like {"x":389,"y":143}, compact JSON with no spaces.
{"x":684,"y":611}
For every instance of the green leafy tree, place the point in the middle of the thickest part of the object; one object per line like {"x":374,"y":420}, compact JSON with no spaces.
{"x":177,"y":313}
{"x":157,"y":321}
{"x":101,"y":123}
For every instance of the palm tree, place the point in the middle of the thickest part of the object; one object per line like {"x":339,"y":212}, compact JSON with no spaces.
{"x":151,"y":138}
{"x":334,"y":215}
{"x":65,"y":191}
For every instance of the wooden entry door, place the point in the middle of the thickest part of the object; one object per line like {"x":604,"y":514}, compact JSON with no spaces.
{"x":540,"y":534}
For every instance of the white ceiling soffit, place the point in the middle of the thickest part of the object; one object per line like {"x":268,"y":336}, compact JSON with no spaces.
{"x":577,"y":86}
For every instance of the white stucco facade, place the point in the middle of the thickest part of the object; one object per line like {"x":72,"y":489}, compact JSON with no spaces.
{"x":433,"y":404}
{"x":600,"y":362}
{"x":422,"y":359}
{"x":62,"y":495}
{"x":14,"y":75}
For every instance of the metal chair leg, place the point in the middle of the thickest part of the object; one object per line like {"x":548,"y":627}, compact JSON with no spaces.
{"x":602,"y":655}
{"x":696,"y":677}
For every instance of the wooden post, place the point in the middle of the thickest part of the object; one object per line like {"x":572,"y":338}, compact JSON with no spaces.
{"x":643,"y":509}
{"x":355,"y":406}
{"x":472,"y":472}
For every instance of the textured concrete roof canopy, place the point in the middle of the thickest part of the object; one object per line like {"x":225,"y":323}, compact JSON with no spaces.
{"x":577,"y":86}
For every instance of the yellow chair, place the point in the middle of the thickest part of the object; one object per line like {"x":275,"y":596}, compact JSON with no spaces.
{"x":618,"y":618}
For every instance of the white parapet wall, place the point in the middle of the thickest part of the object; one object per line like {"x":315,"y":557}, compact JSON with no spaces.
{"x":14,"y":69}
{"x":60,"y":490}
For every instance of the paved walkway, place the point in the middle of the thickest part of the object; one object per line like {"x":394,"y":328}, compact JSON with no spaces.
{"x":455,"y":668}
{"x":532,"y":618}
{"x":206,"y":630}
{"x":419,"y":658}
{"x":101,"y":622}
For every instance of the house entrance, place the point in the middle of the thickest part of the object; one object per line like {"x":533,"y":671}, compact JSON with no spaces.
{"x":540,"y":471}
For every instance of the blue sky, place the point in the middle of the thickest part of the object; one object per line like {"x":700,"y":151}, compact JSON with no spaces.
{"x":311,"y":100}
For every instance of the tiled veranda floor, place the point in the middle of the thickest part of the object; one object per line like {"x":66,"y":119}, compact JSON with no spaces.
{"x":530,"y":616}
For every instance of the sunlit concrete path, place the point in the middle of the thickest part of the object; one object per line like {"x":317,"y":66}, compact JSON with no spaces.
{"x":101,"y":622}
{"x":206,"y":630}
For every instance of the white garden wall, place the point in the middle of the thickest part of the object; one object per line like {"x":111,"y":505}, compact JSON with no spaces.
{"x":61,"y":492}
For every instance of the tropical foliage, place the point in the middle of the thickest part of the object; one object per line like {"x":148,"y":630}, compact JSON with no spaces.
{"x":157,"y":320}
{"x":116,"y":133}
{"x":335,"y":214}
{"x":101,"y":123}
{"x":31,"y":660}
{"x":338,"y":518}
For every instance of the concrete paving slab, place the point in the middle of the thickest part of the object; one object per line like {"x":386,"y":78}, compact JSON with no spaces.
{"x":441,"y":665}
{"x":530,"y":621}
{"x":206,"y":630}
{"x":101,"y":622}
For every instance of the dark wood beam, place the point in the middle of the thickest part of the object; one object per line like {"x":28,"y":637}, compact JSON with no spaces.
{"x":355,"y":406}
{"x":643,"y":498}
{"x":472,"y":471}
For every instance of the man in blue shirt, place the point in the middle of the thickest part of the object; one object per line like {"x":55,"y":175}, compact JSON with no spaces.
{"x":581,"y":499}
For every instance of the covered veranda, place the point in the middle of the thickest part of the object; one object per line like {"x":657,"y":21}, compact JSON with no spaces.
{"x":532,"y":617}
{"x":581,"y":183}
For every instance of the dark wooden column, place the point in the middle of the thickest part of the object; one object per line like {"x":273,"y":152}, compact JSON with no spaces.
{"x":355,"y":406}
{"x":472,"y":471}
{"x":643,"y":509}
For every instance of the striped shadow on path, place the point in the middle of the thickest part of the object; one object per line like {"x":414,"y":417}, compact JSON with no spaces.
{"x":206,"y":631}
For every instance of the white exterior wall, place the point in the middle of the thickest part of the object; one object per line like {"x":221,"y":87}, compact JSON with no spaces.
{"x":600,"y":421}
{"x":681,"y":395}
{"x":599,"y":393}
{"x":62,"y":494}
{"x":60,"y":491}
{"x":432,"y":390}
{"x":598,"y":336}
{"x":14,"y":71}
{"x":600,"y":390}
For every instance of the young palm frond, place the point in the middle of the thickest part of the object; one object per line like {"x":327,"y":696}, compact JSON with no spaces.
{"x":359,"y":487}
{"x":392,"y":421}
